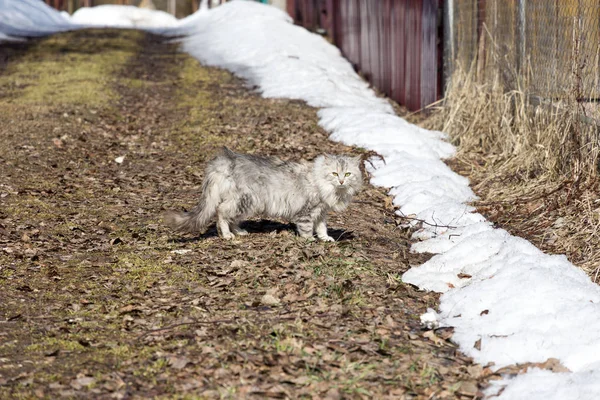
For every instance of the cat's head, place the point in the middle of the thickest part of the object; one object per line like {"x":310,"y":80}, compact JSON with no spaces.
{"x":341,"y":172}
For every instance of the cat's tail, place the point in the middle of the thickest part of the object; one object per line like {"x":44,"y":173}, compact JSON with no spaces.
{"x":196,"y":220}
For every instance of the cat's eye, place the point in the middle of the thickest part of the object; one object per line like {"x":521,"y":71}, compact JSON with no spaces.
{"x":335,"y":173}
{"x":347,"y":174}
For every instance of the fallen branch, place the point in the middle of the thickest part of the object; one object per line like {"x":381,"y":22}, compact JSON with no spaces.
{"x":367,"y":156}
{"x":397,"y":213}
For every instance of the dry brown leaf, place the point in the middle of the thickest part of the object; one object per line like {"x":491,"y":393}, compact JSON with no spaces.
{"x":178,"y":362}
{"x":475,"y":371}
{"x":82,"y":382}
{"x":553,"y":364}
{"x":468,"y":388}
{"x":434,"y":338}
{"x":270,"y":300}
{"x":389,"y":321}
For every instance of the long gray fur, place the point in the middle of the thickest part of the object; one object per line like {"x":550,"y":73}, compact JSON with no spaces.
{"x":242,"y":186}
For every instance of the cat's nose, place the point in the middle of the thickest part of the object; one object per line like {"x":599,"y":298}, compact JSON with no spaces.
{"x":341,"y":181}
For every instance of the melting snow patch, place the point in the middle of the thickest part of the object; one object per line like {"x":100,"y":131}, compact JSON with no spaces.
{"x":123,"y":17}
{"x":430,"y":319}
{"x":30,"y":18}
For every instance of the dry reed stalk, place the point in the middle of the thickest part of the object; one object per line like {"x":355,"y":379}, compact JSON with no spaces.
{"x":535,"y":168}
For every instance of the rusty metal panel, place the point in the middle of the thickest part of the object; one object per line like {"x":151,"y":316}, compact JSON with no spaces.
{"x":385,"y":47}
{"x":363,"y":40}
{"x":378,"y":43}
{"x":309,"y":14}
{"x":395,"y":44}
{"x":326,"y":20}
{"x":353,"y":27}
{"x":348,"y":29}
{"x":415,"y":41}
{"x":290,"y":6}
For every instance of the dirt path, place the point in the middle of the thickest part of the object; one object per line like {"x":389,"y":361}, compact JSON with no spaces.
{"x":99,"y":300}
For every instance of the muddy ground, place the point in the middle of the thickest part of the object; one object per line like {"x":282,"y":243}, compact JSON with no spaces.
{"x":102,"y":131}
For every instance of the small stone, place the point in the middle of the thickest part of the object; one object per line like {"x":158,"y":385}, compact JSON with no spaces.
{"x":270,"y":300}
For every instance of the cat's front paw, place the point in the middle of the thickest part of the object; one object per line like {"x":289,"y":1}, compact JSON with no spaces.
{"x":228,"y":236}
{"x":326,"y":238}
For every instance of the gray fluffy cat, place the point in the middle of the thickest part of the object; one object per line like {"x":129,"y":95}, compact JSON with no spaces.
{"x":240,"y":186}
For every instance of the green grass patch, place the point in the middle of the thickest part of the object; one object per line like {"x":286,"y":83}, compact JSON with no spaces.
{"x":52,"y":343}
{"x":70,"y":69}
{"x":144,"y":271}
{"x":203,"y":107}
{"x":341,"y":267}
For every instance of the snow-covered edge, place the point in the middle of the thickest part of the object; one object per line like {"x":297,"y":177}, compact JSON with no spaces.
{"x":30,"y":18}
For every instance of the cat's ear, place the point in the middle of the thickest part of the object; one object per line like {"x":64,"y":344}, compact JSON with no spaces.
{"x":356,"y":159}
{"x":329,"y":158}
{"x":226,"y":151}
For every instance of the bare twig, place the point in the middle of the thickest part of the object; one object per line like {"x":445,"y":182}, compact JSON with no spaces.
{"x":397,"y":213}
{"x":367,"y":156}
{"x":424,"y":222}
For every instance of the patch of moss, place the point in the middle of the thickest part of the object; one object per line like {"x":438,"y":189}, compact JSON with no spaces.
{"x":201,"y":125}
{"x":341,"y":267}
{"x":27,"y":207}
{"x":52,"y":343}
{"x":42,"y":76}
{"x":143,"y":272}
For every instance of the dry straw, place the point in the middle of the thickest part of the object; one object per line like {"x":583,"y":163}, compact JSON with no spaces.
{"x":532,"y":161}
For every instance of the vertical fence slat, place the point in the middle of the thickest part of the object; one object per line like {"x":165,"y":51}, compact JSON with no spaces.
{"x":357,"y":33}
{"x":398,"y":46}
{"x":291,"y":9}
{"x":429,"y":56}
{"x":385,"y":47}
{"x":414,"y":40}
{"x":365,"y":49}
{"x":449,"y":48}
{"x":520,"y":36}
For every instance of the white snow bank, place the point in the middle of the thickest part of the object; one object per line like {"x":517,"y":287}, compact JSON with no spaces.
{"x":118,"y":16}
{"x":30,"y":18}
{"x":524,"y":305}
{"x":26,"y":18}
{"x":543,"y":385}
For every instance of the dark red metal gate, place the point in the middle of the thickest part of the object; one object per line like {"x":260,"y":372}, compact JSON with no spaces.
{"x":395,"y":44}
